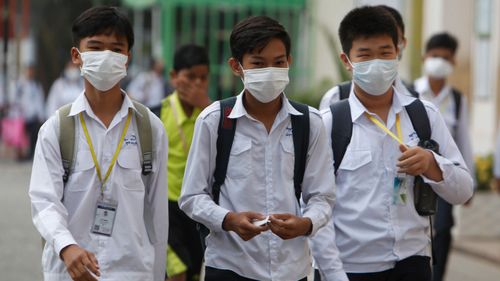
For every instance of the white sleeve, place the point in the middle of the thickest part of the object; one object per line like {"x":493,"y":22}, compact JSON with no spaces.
{"x":318,"y":186}
{"x":158,"y":197}
{"x":456,"y":186}
{"x":323,"y":245}
{"x":195,"y":199}
{"x":329,"y":98}
{"x":462,"y":137}
{"x":49,"y":215}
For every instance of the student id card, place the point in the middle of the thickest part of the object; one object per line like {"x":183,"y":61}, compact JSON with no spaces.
{"x":104,"y":219}
{"x":399,"y":195}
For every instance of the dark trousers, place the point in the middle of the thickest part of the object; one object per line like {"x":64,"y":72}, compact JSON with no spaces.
{"x":215,"y":274}
{"x":415,"y":268}
{"x":32,"y":128}
{"x":443,"y":222}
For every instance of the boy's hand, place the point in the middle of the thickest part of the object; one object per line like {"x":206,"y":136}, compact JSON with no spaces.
{"x":193,"y":94}
{"x":80,"y":263}
{"x":288,"y":226}
{"x":241,"y":223}
{"x":417,"y":161}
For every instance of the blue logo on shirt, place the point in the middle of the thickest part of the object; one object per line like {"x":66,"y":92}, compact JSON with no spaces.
{"x":130,"y":140}
{"x":288,"y":131}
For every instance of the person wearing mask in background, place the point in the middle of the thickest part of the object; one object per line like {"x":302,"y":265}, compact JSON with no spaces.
{"x":150,"y":87}
{"x":103,"y":218}
{"x":439,"y":60}
{"x":257,"y":228}
{"x":333,"y":95}
{"x":27,"y":100}
{"x":178,"y":114}
{"x":65,"y":89}
{"x":376,"y":231}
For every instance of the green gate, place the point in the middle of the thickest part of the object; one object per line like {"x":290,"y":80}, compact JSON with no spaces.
{"x":209,"y":23}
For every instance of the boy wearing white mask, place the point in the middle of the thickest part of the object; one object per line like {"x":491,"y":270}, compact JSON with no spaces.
{"x":376,"y":232}
{"x":257,"y":228}
{"x":439,"y":60}
{"x":101,"y":218}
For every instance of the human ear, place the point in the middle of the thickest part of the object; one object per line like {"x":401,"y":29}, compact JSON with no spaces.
{"x":345,"y":61}
{"x":235,"y":67}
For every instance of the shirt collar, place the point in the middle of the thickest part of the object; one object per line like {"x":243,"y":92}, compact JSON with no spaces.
{"x":239,"y":109}
{"x":399,"y":100}
{"x":179,"y":110}
{"x":81,"y":104}
{"x":423,"y":87}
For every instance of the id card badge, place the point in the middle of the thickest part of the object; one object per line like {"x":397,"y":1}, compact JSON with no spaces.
{"x":399,"y":195}
{"x":104,"y":219}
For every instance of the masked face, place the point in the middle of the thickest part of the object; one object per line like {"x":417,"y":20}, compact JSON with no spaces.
{"x":375,"y":76}
{"x":437,"y":67}
{"x":265,"y":84}
{"x":103,"y":69}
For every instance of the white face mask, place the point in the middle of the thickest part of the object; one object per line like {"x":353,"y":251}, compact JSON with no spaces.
{"x":437,"y":67}
{"x":103,"y":69}
{"x":72,"y":73}
{"x":376,"y":76}
{"x":265,"y":84}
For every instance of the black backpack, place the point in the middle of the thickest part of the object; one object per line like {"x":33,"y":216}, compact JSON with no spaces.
{"x":226,"y":130}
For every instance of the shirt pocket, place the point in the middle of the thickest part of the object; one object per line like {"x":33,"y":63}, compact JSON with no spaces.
{"x":239,"y":165}
{"x":83,"y":171}
{"x":355,"y":169}
{"x":287,"y":158}
{"x":130,"y":173}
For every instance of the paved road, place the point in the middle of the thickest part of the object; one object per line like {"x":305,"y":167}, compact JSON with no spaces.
{"x":20,"y":248}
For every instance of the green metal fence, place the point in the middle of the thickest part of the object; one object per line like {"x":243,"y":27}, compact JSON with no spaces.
{"x":209,"y":23}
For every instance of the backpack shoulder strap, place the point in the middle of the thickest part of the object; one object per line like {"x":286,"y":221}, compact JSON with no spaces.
{"x":457,"y":97}
{"x":419,"y":119}
{"x":145,"y":137}
{"x":66,"y":140}
{"x":225,"y":137}
{"x":341,"y":130}
{"x":344,"y":89}
{"x":411,"y":89}
{"x":300,"y":133}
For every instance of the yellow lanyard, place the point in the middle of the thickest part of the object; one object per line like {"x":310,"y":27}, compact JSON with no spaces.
{"x":399,"y":138}
{"x":115,"y":156}
{"x":181,"y":131}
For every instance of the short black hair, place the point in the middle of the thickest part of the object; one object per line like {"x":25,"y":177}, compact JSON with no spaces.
{"x":442,"y":40}
{"x":102,"y":20}
{"x":190,"y":55}
{"x":364,"y":22}
{"x":254,"y":33}
{"x":397,"y":17}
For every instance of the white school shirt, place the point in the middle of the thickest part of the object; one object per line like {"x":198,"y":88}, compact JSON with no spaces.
{"x":333,"y":95}
{"x":63,"y":91}
{"x":27,"y":100}
{"x":260,"y":179}
{"x":147,"y":88}
{"x":445,"y":102}
{"x":64,"y":215}
{"x":367,"y":232}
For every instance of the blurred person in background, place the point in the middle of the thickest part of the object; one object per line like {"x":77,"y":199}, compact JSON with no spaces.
{"x":439,"y":61}
{"x":149,"y":87}
{"x":496,"y":159}
{"x":26,"y":101}
{"x":178,"y":114}
{"x":65,"y":89}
